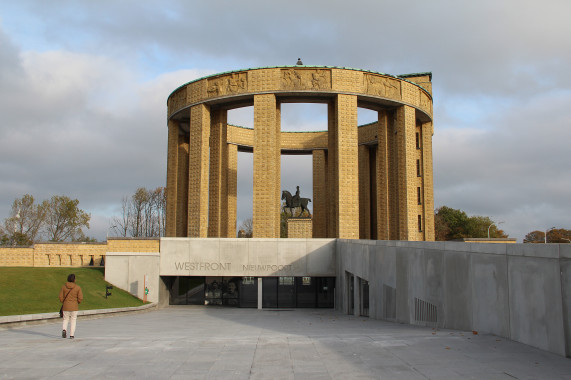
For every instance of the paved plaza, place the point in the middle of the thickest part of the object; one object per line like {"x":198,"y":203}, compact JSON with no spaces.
{"x":193,"y":342}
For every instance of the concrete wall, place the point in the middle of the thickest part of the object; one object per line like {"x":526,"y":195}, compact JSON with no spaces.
{"x":127,"y":270}
{"x":247,"y":257}
{"x":518,"y":291}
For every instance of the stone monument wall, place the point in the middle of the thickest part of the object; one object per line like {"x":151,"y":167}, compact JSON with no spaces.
{"x":370,"y":182}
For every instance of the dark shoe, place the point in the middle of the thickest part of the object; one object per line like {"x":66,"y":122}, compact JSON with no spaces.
{"x":63,"y":334}
{"x":71,"y":337}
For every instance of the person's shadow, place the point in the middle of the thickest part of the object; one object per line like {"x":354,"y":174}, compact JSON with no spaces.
{"x":29,"y":332}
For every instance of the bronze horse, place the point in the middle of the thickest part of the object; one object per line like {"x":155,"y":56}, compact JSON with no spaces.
{"x":292,"y":202}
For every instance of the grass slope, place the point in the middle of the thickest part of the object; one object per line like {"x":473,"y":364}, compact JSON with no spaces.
{"x":35,"y":290}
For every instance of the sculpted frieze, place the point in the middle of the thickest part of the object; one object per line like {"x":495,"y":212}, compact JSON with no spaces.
{"x":178,"y":100}
{"x":227,"y":85}
{"x":296,"y":79}
{"x":380,"y":86}
{"x":424,"y":102}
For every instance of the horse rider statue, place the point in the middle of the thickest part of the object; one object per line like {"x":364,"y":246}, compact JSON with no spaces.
{"x":295,"y":201}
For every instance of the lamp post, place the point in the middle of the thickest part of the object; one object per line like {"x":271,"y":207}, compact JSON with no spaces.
{"x":546,"y":231}
{"x":108,"y":228}
{"x":491,"y":226}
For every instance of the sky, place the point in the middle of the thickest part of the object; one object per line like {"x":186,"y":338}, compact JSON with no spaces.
{"x":83,"y":90}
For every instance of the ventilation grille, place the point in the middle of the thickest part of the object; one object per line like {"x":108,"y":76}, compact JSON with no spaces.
{"x":390,"y":302}
{"x":424,"y":311}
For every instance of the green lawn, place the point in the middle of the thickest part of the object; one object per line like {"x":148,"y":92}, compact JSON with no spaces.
{"x":35,"y":290}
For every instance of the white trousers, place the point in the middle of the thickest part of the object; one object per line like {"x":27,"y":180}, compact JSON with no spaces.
{"x":67,"y":315}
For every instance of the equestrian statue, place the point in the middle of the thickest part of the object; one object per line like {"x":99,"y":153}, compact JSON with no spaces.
{"x":294,"y":201}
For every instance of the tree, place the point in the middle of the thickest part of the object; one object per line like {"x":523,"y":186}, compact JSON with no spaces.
{"x":4,"y":238}
{"x":24,"y":225}
{"x":64,"y":219}
{"x":25,"y":220}
{"x":452,"y":224}
{"x":534,"y":237}
{"x":556,"y":235}
{"x":143,"y":214}
{"x":84,"y":239}
{"x":246,"y":229}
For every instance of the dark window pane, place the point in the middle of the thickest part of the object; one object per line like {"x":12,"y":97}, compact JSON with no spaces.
{"x":187,"y":291}
{"x":230,"y":291}
{"x":306,"y":291}
{"x":325,"y":291}
{"x":213,"y":291}
{"x":286,"y":292}
{"x":249,"y":292}
{"x":270,"y":292}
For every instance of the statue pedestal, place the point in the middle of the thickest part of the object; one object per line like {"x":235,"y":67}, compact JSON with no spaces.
{"x":300,"y":228}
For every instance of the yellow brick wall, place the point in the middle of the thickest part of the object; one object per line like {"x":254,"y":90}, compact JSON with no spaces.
{"x":408,"y":180}
{"x":347,"y":80}
{"x":364,"y":193}
{"x":133,"y":245}
{"x":383,"y":188}
{"x":182,"y":187}
{"x":17,"y":257}
{"x":332,"y":174}
{"x":299,"y":228}
{"x":347,"y":166}
{"x":172,"y":172}
{"x":198,"y":165}
{"x":240,"y":136}
{"x":177,"y":100}
{"x":72,"y":254}
{"x":267,"y":167}
{"x":428,"y":188}
{"x":218,"y":174}
{"x":303,"y":140}
{"x":319,"y":194}
{"x":298,"y":140}
{"x":232,"y":191}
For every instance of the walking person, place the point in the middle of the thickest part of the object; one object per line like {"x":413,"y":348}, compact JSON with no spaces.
{"x":71,"y":296}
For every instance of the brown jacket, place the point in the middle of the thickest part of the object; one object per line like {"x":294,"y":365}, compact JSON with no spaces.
{"x":74,"y":296}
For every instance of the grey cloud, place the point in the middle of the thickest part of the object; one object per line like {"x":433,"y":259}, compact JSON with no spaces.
{"x":501,"y":90}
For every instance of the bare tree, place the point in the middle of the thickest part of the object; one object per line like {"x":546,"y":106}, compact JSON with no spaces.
{"x":143,"y":214}
{"x":246,"y":229}
{"x":121,"y":224}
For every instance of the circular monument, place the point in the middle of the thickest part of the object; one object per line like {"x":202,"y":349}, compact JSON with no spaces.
{"x":370,"y":182}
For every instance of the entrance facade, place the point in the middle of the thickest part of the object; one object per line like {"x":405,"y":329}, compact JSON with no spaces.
{"x":248,"y":291}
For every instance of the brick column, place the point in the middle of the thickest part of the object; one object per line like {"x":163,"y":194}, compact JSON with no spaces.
{"x":406,"y":173}
{"x":218,"y":162}
{"x":198,"y":171}
{"x":182,"y":188}
{"x":347,"y":167}
{"x":427,"y":132}
{"x":230,"y":202}
{"x":267,"y":166}
{"x":172,"y":172}
{"x":332,"y":195}
{"x":319,"y":194}
{"x":364,"y":193}
{"x":382,"y":178}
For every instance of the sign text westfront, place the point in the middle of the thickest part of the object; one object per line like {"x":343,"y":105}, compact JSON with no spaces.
{"x":216,"y":266}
